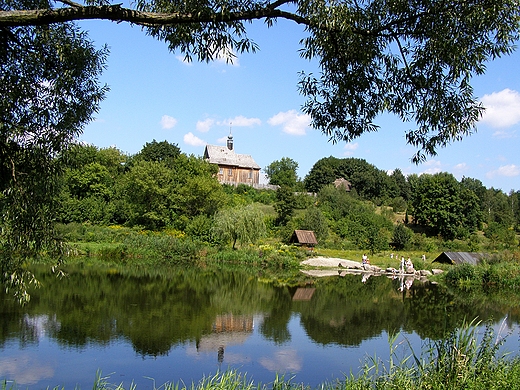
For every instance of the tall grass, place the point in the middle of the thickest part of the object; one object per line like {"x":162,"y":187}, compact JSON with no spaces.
{"x":464,"y":359}
{"x":497,"y":274}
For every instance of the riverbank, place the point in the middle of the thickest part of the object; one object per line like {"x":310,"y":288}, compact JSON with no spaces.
{"x":326,"y":266}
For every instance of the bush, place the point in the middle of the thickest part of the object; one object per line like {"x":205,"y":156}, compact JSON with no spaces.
{"x":461,"y":275}
{"x":402,"y":236}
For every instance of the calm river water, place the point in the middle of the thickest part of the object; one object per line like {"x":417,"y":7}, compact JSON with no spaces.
{"x":187,"y":324}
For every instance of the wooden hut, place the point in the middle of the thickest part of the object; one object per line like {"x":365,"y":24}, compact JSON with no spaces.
{"x":343,"y":183}
{"x":460,"y":258}
{"x":305,"y":238}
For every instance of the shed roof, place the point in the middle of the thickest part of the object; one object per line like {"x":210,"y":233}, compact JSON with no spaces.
{"x":221,"y":155}
{"x":342,"y":182}
{"x":459,"y":258}
{"x":305,"y":237}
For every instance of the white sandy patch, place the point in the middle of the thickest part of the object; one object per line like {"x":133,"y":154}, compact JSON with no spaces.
{"x":331,"y":262}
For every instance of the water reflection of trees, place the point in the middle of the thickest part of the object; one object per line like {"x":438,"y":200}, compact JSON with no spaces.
{"x":156,"y":313}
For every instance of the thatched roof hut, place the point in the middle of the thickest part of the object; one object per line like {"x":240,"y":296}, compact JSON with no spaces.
{"x":304,"y":237}
{"x":460,"y":258}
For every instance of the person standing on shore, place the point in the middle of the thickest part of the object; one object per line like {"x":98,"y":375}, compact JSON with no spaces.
{"x":364,"y":259}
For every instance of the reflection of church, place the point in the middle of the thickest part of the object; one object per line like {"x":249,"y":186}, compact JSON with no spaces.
{"x":227,"y":329}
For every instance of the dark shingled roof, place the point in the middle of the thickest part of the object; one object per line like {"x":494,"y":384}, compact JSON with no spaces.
{"x":221,"y":155}
{"x":459,"y":258}
{"x":304,"y":237}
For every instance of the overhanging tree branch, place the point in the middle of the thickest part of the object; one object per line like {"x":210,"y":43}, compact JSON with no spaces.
{"x":120,"y":14}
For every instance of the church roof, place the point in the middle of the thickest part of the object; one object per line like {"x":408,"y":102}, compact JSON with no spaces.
{"x":221,"y":155}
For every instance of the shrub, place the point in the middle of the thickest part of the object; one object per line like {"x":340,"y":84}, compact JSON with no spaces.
{"x":401,"y":237}
{"x":460,"y":274}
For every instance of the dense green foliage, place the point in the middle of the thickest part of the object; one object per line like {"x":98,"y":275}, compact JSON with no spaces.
{"x":283,"y":172}
{"x":243,"y":224}
{"x":412,"y":59}
{"x":177,"y":203}
{"x":445,"y":206}
{"x":50,"y":89}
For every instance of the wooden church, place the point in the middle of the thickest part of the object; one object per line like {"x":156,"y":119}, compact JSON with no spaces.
{"x":234,"y":168}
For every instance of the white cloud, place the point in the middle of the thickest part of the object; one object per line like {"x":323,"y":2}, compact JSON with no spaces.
{"x":501,"y":134}
{"x":205,"y":125}
{"x":241,"y":121}
{"x":284,"y":360}
{"x":505,"y":170}
{"x":227,"y":56}
{"x":502,"y":108}
{"x":350,"y":148}
{"x":460,"y":168}
{"x":26,"y":369}
{"x":222,"y":140}
{"x":193,"y":140}
{"x":168,"y":122}
{"x":432,"y":167}
{"x":292,"y":122}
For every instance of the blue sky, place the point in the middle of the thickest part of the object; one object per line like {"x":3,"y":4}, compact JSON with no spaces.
{"x":156,"y":95}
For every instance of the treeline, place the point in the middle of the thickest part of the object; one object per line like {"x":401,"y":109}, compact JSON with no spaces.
{"x":162,"y":188}
{"x":438,"y":203}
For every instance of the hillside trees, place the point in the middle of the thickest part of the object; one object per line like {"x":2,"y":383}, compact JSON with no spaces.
{"x":402,"y":236}
{"x":445,"y":206}
{"x":314,"y":219}
{"x":90,"y":185}
{"x":355,"y":220}
{"x":367,"y":181}
{"x":147,"y":190}
{"x":284,"y":205}
{"x":283,"y":172}
{"x":159,"y":151}
{"x":495,"y":205}
{"x":401,"y":184}
{"x":515,"y":206}
{"x":167,"y":189}
{"x":323,"y":172}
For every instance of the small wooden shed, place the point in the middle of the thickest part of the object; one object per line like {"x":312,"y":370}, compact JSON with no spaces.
{"x":304,"y":238}
{"x":343,"y":183}
{"x":459,"y":258}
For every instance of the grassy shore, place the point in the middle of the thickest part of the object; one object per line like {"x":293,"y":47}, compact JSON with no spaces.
{"x":116,"y":245}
